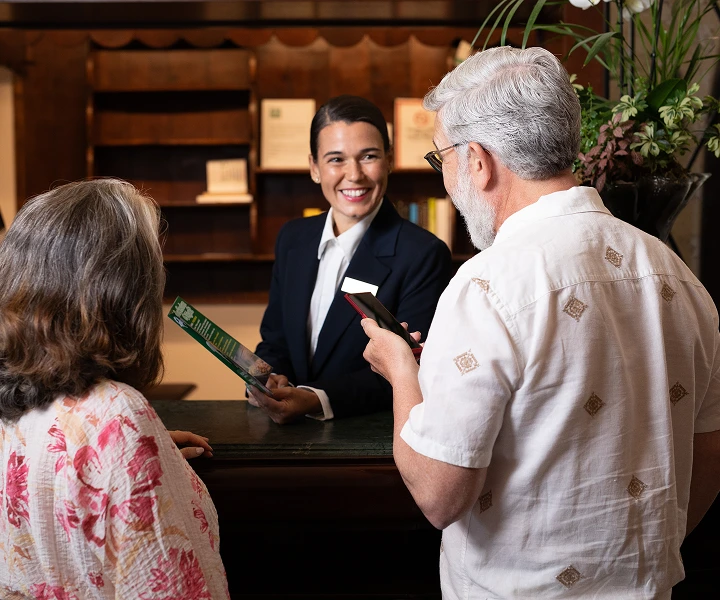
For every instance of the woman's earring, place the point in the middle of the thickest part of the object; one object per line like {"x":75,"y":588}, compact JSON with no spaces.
{"x":316,"y":179}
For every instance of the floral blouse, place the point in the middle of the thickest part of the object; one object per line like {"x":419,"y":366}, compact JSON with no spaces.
{"x":98,"y":502}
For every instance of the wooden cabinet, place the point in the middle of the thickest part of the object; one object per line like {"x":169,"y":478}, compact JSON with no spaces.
{"x":156,"y":116}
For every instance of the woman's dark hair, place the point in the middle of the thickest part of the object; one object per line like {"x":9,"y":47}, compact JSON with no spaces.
{"x":81,"y":284}
{"x":347,"y":109}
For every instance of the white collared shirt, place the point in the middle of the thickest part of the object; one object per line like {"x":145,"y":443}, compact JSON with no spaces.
{"x":575,"y":357}
{"x":334,"y":254}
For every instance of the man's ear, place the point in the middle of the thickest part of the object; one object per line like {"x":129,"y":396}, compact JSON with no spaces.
{"x":480,"y":164}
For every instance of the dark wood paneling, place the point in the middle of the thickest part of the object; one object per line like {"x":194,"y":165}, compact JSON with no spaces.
{"x":51,"y":133}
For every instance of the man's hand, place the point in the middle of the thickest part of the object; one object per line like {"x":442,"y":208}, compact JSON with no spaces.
{"x":191,"y":445}
{"x":388,"y":354}
{"x":289,"y":403}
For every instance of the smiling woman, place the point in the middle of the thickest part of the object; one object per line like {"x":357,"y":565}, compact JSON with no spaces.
{"x":310,"y":335}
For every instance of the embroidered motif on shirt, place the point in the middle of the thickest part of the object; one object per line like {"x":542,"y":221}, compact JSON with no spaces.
{"x":483,"y":283}
{"x":485,"y":501}
{"x":466,"y":362}
{"x":569,"y":577}
{"x":667,"y":292}
{"x":594,"y":404}
{"x":636,"y":488}
{"x":677,"y":393}
{"x":613,"y":257}
{"x":575,"y":308}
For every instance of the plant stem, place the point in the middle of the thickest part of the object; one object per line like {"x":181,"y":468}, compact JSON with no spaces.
{"x":606,"y":74}
{"x":631,"y":81}
{"x":621,"y":82}
{"x":699,"y":146}
{"x":656,"y":34}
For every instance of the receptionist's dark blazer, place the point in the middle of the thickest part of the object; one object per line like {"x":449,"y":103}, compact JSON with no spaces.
{"x":411,"y":267}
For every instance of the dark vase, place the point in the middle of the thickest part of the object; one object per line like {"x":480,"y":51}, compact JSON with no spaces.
{"x":652,"y":202}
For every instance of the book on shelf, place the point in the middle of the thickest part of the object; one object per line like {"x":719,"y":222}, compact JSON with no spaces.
{"x":437,"y":215}
{"x":239,"y":359}
{"x":284,"y":132}
{"x":226,"y":182}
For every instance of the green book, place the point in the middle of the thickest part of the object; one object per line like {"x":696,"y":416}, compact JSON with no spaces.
{"x":253,"y":369}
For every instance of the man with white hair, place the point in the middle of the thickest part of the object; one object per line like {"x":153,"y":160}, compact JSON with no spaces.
{"x":563,"y":429}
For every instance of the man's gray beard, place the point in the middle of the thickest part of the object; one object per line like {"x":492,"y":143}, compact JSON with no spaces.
{"x":478,"y":214}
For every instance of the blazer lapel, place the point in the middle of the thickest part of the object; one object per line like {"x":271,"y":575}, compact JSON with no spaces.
{"x":302,"y":268}
{"x":379,"y":240}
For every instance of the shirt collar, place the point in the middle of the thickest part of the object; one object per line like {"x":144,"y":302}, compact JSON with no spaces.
{"x":577,"y":199}
{"x":348,"y":240}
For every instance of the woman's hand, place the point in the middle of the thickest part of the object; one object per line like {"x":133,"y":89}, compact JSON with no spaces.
{"x":289,"y":403}
{"x":274,"y":382}
{"x":191,"y":445}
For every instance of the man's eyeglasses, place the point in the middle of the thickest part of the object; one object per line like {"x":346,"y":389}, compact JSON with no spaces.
{"x":434,"y":157}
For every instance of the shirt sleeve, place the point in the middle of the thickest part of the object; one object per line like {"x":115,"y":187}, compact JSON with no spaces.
{"x":707,"y":418}
{"x":160,"y":532}
{"x":468,"y":371}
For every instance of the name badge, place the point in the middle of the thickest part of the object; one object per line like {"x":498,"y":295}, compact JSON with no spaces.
{"x":355,"y":286}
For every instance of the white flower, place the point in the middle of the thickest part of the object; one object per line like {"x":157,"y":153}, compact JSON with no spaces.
{"x":631,"y":7}
{"x":585,"y":4}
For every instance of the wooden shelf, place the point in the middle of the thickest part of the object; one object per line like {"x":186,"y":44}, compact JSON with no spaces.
{"x":218,"y":257}
{"x":194,"y":204}
{"x":276,"y":171}
{"x":221,"y":298}
{"x":169,"y":141}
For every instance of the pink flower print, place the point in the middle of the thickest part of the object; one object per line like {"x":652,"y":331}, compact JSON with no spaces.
{"x":93,"y":525}
{"x":199,"y":514}
{"x":196,"y":483}
{"x":58,"y":446}
{"x":68,"y":517}
{"x":144,"y":467}
{"x":43,"y":591}
{"x":96,"y":579}
{"x":111,"y":435}
{"x":16,"y":490}
{"x":88,"y":467}
{"x":177,"y":578}
{"x":138,"y":512}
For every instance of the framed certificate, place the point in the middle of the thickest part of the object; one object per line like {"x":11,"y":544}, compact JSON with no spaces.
{"x":285,"y":133}
{"x":414,"y":129}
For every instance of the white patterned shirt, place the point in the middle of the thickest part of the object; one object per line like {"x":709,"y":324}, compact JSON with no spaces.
{"x":575,"y":358}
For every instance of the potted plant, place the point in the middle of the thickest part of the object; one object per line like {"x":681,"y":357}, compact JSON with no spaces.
{"x":633,"y":145}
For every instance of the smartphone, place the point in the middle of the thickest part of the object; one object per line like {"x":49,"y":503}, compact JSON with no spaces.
{"x":370,"y":307}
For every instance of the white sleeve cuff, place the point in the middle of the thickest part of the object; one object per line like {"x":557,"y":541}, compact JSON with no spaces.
{"x":327,"y":411}
{"x":454,"y":456}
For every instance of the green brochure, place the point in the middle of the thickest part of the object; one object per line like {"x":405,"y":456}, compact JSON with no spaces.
{"x":253,"y":369}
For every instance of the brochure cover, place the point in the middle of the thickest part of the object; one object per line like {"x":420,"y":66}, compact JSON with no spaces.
{"x":253,"y":369}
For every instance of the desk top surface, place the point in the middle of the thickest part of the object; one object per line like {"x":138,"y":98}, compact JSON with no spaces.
{"x":240,"y":431}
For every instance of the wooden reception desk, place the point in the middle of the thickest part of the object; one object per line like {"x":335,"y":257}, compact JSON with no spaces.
{"x":318,"y":510}
{"x":312,"y":509}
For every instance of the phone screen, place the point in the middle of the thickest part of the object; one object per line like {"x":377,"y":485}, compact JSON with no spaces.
{"x":370,"y":307}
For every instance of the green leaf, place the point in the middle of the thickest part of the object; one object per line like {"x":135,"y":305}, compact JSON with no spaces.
{"x":693,"y":66}
{"x":531,"y":21}
{"x":509,"y":17}
{"x":600,"y":41}
{"x":664,"y":92}
{"x":487,"y":19}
